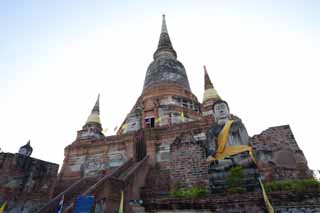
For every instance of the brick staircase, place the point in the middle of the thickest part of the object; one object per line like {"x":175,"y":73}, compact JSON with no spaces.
{"x":78,"y":188}
{"x":116,"y":180}
{"x":82,"y":188}
{"x":121,"y":179}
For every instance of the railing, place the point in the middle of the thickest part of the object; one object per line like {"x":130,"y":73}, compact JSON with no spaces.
{"x":97,"y":185}
{"x":112,"y":175}
{"x":135,"y":168}
{"x":118,"y":175}
{"x":52,"y":204}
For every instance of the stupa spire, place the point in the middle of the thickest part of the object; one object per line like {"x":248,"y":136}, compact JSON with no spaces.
{"x":165,"y":68}
{"x":207,"y":81}
{"x":94,"y":117}
{"x":164,"y":25}
{"x":209,"y":90}
{"x":164,"y":45}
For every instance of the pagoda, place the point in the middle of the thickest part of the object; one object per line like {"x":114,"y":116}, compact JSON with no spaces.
{"x":162,"y":146}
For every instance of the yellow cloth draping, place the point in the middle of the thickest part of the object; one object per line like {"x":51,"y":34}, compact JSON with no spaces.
{"x":121,"y":203}
{"x":223,"y":136}
{"x":265,"y":197}
{"x":232,"y":150}
{"x":224,"y":151}
{"x":3,"y":207}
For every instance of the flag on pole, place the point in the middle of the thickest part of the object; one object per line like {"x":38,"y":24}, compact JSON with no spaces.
{"x":60,"y":205}
{"x":84,"y":204}
{"x":182,"y":116}
{"x":158,"y":119}
{"x":3,"y":207}
{"x":124,"y":126}
{"x":121,"y":203}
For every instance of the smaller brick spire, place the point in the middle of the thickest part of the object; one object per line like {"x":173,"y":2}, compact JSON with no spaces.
{"x":93,"y":128}
{"x":94,"y":117}
{"x":209,"y":90}
{"x":207,"y":81}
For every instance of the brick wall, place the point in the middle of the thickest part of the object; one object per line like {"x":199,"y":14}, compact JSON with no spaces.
{"x":286,"y":202}
{"x":25,"y":181}
{"x":92,"y":157}
{"x":278,"y":154}
{"x":188,"y":164}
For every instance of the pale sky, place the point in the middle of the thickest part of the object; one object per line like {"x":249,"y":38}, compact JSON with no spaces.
{"x":56,"y":56}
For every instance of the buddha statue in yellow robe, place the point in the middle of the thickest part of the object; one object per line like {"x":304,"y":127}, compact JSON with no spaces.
{"x":228,"y":147}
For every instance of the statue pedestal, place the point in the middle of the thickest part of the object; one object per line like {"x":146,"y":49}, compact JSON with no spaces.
{"x":219,"y":170}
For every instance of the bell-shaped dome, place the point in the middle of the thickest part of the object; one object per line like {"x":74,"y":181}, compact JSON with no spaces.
{"x":165,"y":68}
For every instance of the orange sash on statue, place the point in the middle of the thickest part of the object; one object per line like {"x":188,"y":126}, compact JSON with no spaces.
{"x":225,"y":151}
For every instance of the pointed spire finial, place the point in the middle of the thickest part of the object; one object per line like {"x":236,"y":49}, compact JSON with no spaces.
{"x":96,"y":107}
{"x":164,"y":25}
{"x":94,"y":116}
{"x":207,"y":81}
{"x":205,"y":69}
{"x":164,"y":45}
{"x":209,"y":90}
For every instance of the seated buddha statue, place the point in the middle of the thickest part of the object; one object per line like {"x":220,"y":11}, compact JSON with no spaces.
{"x":228,"y":147}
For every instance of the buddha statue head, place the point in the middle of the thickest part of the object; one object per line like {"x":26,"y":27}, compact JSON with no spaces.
{"x":221,"y":111}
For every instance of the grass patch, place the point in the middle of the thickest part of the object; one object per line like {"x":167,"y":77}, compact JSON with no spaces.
{"x":294,"y":185}
{"x":189,"y":193}
{"x":235,"y":180}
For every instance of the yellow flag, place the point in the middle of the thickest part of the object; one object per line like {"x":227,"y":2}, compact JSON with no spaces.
{"x":3,"y":207}
{"x":124,"y":126}
{"x":158,"y":119}
{"x":265,"y":197}
{"x":121,"y":203}
{"x":182,"y":116}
